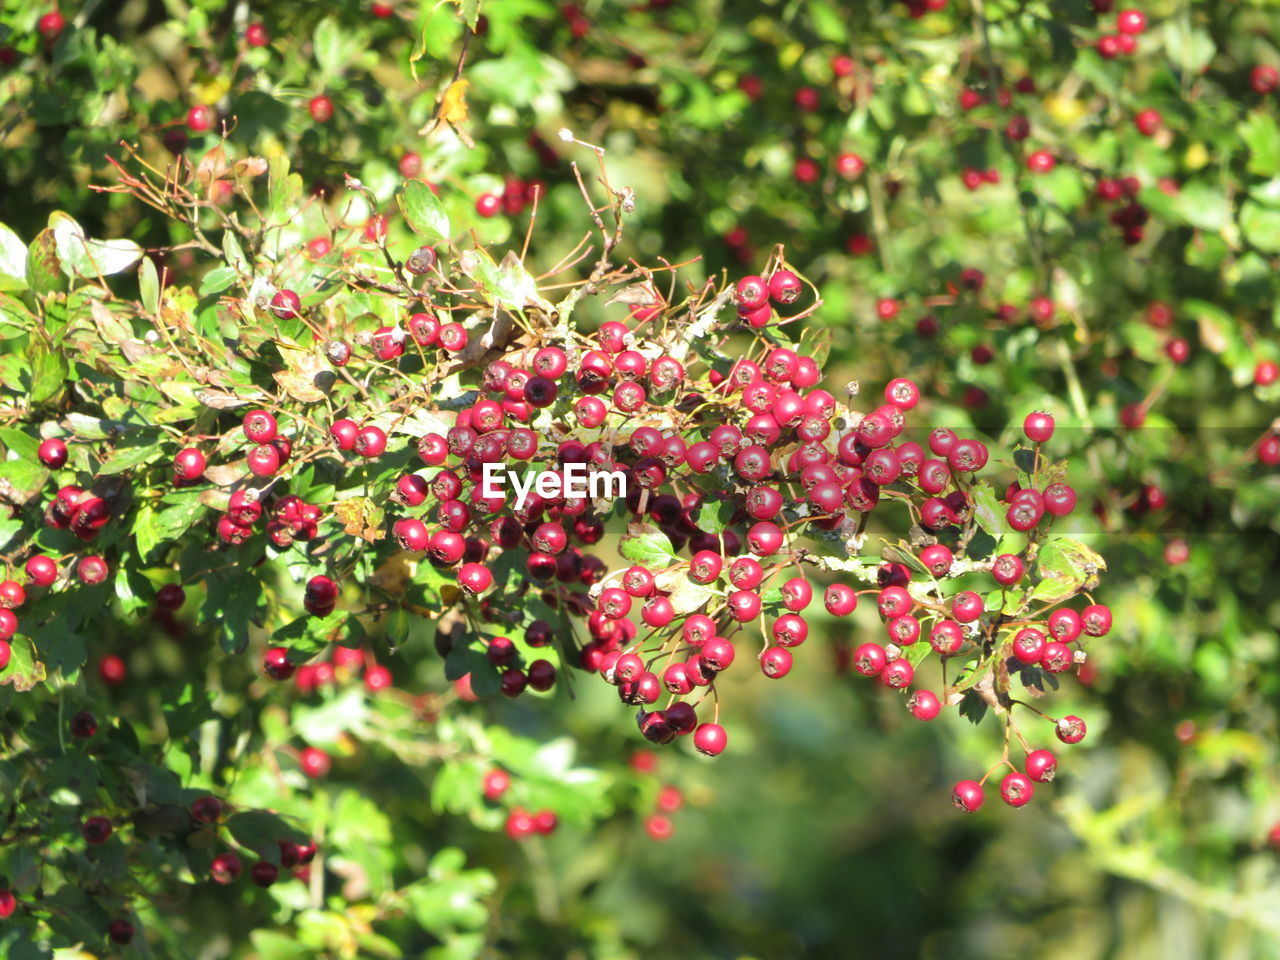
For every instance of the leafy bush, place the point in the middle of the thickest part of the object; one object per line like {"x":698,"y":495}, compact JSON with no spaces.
{"x":1001,"y":202}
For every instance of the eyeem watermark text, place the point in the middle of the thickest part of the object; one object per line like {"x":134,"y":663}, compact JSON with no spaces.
{"x":575,"y":482}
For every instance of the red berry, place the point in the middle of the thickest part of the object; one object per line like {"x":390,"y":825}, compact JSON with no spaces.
{"x":1264,"y":79}
{"x":11,"y":594}
{"x":189,"y":465}
{"x":488,"y":205}
{"x":1040,"y":161}
{"x":52,"y":453}
{"x":752,"y":293}
{"x":474,"y":578}
{"x":41,"y":570}
{"x":869,"y":659}
{"x":200,"y":118}
{"x":850,"y":166}
{"x":785,"y":287}
{"x":370,"y":442}
{"x":1132,"y":22}
{"x":97,"y":830}
{"x":1147,"y":121}
{"x":264,"y":874}
{"x":1041,"y":765}
{"x":83,"y":725}
{"x":255,"y":35}
{"x":320,"y":108}
{"x":112,"y":670}
{"x":50,"y":26}
{"x":924,"y":705}
{"x":275,"y":663}
{"x":1070,"y":729}
{"x":315,"y":762}
{"x":286,"y":305}
{"x":225,"y":868}
{"x":710,"y":739}
{"x":120,"y":931}
{"x":967,"y":796}
{"x":1038,"y":427}
{"x":840,"y":600}
{"x":1016,"y":789}
{"x":264,"y":460}
{"x":776,"y":662}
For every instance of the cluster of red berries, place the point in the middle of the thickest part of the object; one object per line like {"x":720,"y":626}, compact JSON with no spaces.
{"x":520,"y":823}
{"x":1130,"y":24}
{"x":226,"y":867}
{"x":516,"y":194}
{"x":745,"y":467}
{"x":669,"y":799}
{"x":345,"y":663}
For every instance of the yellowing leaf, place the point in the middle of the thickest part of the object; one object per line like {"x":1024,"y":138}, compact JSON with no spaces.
{"x":453,"y":106}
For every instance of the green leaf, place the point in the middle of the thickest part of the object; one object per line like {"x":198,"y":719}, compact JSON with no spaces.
{"x":48,"y":370}
{"x":423,"y":211}
{"x":1202,"y":205}
{"x":986,"y":510}
{"x":13,"y":260}
{"x":259,"y":831}
{"x":652,"y":550}
{"x":1189,"y":48}
{"x":828,"y":22}
{"x":83,"y":257}
{"x":1261,"y":226}
{"x":21,"y":480}
{"x":44,"y":269}
{"x":1262,"y":135}
{"x":24,"y":671}
{"x":217,"y":280}
{"x":284,"y":188}
{"x":149,"y":285}
{"x":125,"y":458}
{"x":335,"y":46}
{"x":1066,"y":567}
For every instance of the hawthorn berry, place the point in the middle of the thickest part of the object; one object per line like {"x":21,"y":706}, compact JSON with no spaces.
{"x":264,"y":874}
{"x":1132,"y":22}
{"x":97,"y":830}
{"x":50,"y":26}
{"x":315,"y":763}
{"x":321,"y":108}
{"x":225,"y":868}
{"x":52,"y":453}
{"x":1070,"y":729}
{"x":967,"y":795}
{"x":1016,"y":789}
{"x":1038,"y":427}
{"x":120,"y":931}
{"x":1264,"y":79}
{"x":1041,"y":766}
{"x":275,"y":663}
{"x":840,"y":600}
{"x":189,"y":465}
{"x":370,"y":442}
{"x":1041,"y":161}
{"x":42,"y":570}
{"x":924,"y":704}
{"x":710,"y":739}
